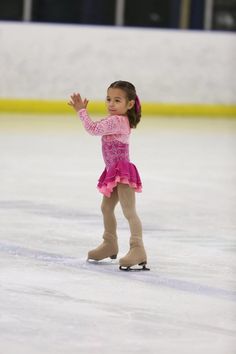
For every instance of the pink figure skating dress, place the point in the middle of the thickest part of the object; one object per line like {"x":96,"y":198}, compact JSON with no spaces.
{"x":115,"y":132}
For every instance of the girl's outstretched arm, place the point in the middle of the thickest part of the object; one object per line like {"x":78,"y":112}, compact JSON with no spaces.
{"x":106,"y":126}
{"x":109,"y":125}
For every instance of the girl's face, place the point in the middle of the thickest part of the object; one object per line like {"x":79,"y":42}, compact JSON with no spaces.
{"x":117,"y":102}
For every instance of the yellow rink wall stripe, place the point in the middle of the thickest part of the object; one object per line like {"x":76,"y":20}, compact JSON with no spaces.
{"x":98,"y":107}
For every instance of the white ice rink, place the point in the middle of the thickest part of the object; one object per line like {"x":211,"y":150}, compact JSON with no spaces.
{"x":53,"y":302}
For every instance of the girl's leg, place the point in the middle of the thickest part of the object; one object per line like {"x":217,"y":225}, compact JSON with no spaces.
{"x":109,"y":247}
{"x":136,"y":254}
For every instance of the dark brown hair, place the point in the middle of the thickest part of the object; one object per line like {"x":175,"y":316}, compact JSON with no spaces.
{"x":134,"y":114}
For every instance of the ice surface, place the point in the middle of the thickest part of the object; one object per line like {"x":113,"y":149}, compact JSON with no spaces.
{"x":53,"y":301}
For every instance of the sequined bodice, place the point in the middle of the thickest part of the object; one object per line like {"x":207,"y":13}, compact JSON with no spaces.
{"x":114,"y":151}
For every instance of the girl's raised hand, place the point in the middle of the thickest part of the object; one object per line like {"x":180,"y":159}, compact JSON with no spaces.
{"x":77,"y":103}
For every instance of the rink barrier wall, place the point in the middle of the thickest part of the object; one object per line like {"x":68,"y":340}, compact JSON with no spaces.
{"x":98,"y":107}
{"x":42,"y":61}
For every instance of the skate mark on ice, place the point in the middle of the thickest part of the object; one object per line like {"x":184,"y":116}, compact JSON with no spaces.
{"x":59,"y":212}
{"x":110,"y":267}
{"x":48,"y":210}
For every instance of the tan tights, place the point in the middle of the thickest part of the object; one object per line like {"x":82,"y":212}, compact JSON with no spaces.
{"x":126,"y":196}
{"x":109,"y":247}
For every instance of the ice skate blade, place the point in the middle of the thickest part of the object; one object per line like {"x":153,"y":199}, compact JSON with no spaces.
{"x":130,"y":269}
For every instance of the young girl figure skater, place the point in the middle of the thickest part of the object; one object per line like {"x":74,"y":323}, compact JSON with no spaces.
{"x":120,"y":179}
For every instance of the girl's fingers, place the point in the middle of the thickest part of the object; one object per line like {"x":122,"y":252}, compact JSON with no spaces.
{"x":76,"y":99}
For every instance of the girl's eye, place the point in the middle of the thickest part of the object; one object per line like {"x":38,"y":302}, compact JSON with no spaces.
{"x":108,"y":99}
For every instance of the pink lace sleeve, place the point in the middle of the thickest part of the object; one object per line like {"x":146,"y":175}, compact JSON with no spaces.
{"x":107,"y":126}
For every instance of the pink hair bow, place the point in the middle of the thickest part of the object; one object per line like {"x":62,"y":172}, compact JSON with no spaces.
{"x":137,"y":104}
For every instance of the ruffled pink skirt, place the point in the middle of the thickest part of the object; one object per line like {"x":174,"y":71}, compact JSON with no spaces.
{"x":122,"y":172}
